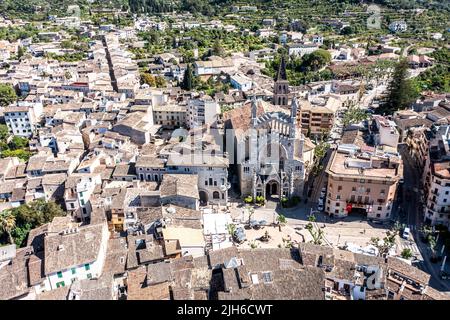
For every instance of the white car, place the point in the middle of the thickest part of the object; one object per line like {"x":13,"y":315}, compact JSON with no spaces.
{"x":320,"y":207}
{"x":405,"y":234}
{"x":323,"y":192}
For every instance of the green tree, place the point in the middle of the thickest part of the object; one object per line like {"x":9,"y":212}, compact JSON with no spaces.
{"x":402,"y":92}
{"x":4,"y":132}
{"x":21,"y":154}
{"x":18,"y":142}
{"x":354,"y":115}
{"x":231,"y":228}
{"x":7,"y":95}
{"x":281,"y":219}
{"x":67,"y":75}
{"x":37,"y":213}
{"x":316,"y":233}
{"x":149,"y":79}
{"x":20,"y":52}
{"x":217,"y":49}
{"x":406,"y":253}
{"x":347,"y":30}
{"x":385,"y":244}
{"x":188,"y":80}
{"x":316,"y":60}
{"x":160,"y":82}
{"x":7,"y":224}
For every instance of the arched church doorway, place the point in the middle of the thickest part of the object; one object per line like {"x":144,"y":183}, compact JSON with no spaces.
{"x":272,"y":189}
{"x":203,"y":197}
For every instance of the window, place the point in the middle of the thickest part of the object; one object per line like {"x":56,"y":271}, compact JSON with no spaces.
{"x":74,"y":270}
{"x":60,"y":284}
{"x":339,"y":188}
{"x":59,"y":274}
{"x":353,"y":189}
{"x":378,"y":215}
{"x":379,"y":208}
{"x":89,"y":276}
{"x":337,"y":204}
{"x":267,"y":277}
{"x":87,"y":267}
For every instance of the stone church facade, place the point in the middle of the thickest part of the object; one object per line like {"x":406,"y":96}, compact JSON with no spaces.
{"x":270,"y":162}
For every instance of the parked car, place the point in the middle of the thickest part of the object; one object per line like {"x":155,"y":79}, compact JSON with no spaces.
{"x":320,"y":207}
{"x":323,"y":192}
{"x":405,"y":234}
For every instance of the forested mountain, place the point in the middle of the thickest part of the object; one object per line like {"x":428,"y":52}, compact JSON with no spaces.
{"x":206,"y":7}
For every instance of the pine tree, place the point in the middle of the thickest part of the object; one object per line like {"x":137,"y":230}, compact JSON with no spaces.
{"x":401,"y":90}
{"x":188,"y":80}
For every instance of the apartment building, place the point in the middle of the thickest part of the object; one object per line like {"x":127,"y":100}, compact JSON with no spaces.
{"x":362,"y":180}
{"x":77,"y":195}
{"x":316,"y":119}
{"x":385,"y":131}
{"x":201,"y":111}
{"x":417,"y":141}
{"x":317,"y":115}
{"x":170,"y":116}
{"x":437,"y":179}
{"x":23,"y":118}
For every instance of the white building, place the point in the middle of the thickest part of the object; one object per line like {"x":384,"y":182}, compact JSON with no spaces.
{"x":398,"y":26}
{"x":317,"y":39}
{"x":201,"y":111}
{"x":241,"y":82}
{"x":387,"y":132}
{"x":23,"y":118}
{"x":302,"y":49}
{"x":72,"y":252}
{"x":437,"y":179}
{"x":79,"y":188}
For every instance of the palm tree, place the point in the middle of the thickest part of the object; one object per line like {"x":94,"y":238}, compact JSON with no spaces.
{"x":281,"y":221}
{"x":231,"y":228}
{"x":7,"y":224}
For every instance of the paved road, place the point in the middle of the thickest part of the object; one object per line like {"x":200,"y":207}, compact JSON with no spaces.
{"x":414,"y":210}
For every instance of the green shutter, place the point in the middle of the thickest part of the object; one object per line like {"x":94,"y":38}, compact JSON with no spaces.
{"x":74,"y":270}
{"x":87,"y":266}
{"x":59,"y":273}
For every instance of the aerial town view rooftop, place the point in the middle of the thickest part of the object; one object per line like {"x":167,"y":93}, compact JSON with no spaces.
{"x":224,"y":150}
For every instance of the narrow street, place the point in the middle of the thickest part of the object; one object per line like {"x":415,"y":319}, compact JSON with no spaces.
{"x":413,"y":208}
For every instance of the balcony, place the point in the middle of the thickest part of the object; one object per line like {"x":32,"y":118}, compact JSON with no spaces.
{"x":436,"y":193}
{"x":360,"y":203}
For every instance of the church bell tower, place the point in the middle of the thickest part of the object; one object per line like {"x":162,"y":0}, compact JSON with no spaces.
{"x":281,"y":86}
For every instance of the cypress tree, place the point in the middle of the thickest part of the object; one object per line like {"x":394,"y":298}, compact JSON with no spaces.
{"x":188,"y":80}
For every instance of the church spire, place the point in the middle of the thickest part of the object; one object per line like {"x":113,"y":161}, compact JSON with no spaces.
{"x":294,"y":108}
{"x":254,"y":110}
{"x":281,"y":75}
